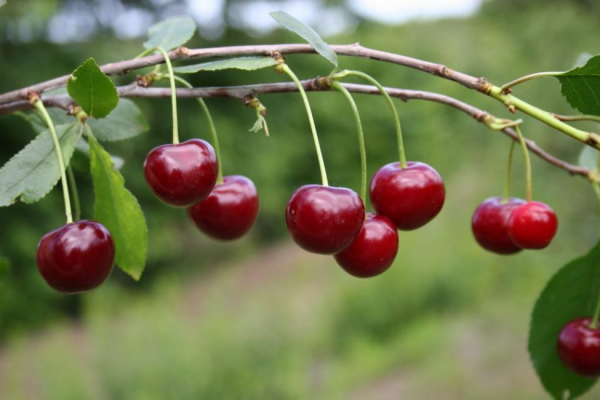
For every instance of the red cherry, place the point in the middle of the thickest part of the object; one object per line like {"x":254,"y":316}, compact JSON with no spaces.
{"x":532,"y":225}
{"x":229,"y":210}
{"x":76,"y":257}
{"x":181,"y":174}
{"x":490,"y":225}
{"x":579,"y":347}
{"x":410,"y":197}
{"x":323,"y":219}
{"x":373,"y":250}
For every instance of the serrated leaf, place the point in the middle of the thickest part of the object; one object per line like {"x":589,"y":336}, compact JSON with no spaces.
{"x":125,"y":122}
{"x":243,"y":63}
{"x":33,"y":172}
{"x":93,"y":90}
{"x":57,"y":116}
{"x":307,"y":33}
{"x":571,"y":293}
{"x":589,"y":158}
{"x":119,"y":211}
{"x":581,"y":86}
{"x":171,"y":33}
{"x":81,"y":158}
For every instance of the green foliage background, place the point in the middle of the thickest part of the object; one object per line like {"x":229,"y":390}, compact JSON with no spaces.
{"x":258,"y":319}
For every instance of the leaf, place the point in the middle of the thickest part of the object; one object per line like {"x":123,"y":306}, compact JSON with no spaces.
{"x":581,"y":86}
{"x":171,"y":33}
{"x":125,"y":122}
{"x":32,"y":173}
{"x":571,"y":293}
{"x":119,"y":211}
{"x":244,"y":63}
{"x":81,"y":158}
{"x":57,"y":116}
{"x":4,"y":267}
{"x":307,"y":33}
{"x":93,"y":90}
{"x":589,"y":158}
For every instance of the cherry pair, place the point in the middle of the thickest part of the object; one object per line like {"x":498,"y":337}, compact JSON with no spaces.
{"x":185,"y":175}
{"x":507,"y":226}
{"x":328,"y":220}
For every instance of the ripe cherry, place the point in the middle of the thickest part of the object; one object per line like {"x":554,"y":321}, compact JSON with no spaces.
{"x":374,"y":249}
{"x":579,"y":347}
{"x":229,"y":210}
{"x":410,"y":197}
{"x":532,"y":225}
{"x":181,"y":174}
{"x":76,"y":257}
{"x":490,"y":225}
{"x":324,"y":219}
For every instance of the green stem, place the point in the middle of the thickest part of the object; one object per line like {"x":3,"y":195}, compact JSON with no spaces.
{"x":594,"y":323}
{"x":361,"y":138}
{"x":390,"y":103}
{"x":211,"y":127}
{"x":593,"y":118}
{"x":173,"y":94}
{"x":74,"y":193}
{"x":546,"y":117}
{"x":529,"y":78}
{"x":61,"y":163}
{"x":146,"y":52}
{"x":508,"y":171}
{"x":527,"y":163}
{"x":285,"y":68}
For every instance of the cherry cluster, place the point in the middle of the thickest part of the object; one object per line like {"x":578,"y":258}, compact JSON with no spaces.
{"x":330,"y":220}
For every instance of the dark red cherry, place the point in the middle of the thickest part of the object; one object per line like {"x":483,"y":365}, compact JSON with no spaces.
{"x":579,"y":347}
{"x":229,"y":210}
{"x":490,"y":224}
{"x":324,"y":219}
{"x":181,"y":174}
{"x":76,"y":257}
{"x":410,"y":197}
{"x":373,"y":250}
{"x":532,"y":225}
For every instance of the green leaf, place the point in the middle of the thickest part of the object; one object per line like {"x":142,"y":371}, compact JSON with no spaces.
{"x":244,"y":63}
{"x":581,"y":86}
{"x":119,"y":211}
{"x":57,"y":116}
{"x":171,"y":33}
{"x":589,"y":158}
{"x":81,"y":158}
{"x":307,"y":33}
{"x":571,"y":293}
{"x":93,"y":90}
{"x":32,"y":173}
{"x":4,"y":267}
{"x":125,"y":122}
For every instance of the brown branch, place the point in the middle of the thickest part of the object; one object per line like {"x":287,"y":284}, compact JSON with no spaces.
{"x":243,"y":92}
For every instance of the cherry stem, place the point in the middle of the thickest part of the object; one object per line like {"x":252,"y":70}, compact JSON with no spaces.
{"x":529,"y":78}
{"x":390,"y":102}
{"x":211,"y":128}
{"x":61,"y":163}
{"x":508,"y":171}
{"x":594,"y":323}
{"x":74,"y":193}
{"x":173,"y":94}
{"x":527,"y":164}
{"x":285,"y":68}
{"x":361,"y":138}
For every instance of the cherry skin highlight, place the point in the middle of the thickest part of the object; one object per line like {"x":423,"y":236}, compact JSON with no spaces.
{"x":410,"y":197}
{"x":181,"y":174}
{"x":532,"y":225}
{"x":490,"y":225}
{"x":374,"y":249}
{"x":229,"y":210}
{"x":579,"y":347}
{"x":76,"y":257}
{"x":323,"y":219}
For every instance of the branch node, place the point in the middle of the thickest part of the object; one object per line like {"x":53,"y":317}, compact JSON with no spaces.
{"x":444,"y":71}
{"x":321,"y":83}
{"x":183,"y":51}
{"x":484,"y":86}
{"x":593,"y":139}
{"x":512,"y":109}
{"x":33,"y":97}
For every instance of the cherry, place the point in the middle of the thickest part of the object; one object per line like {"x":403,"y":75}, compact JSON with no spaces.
{"x":374,"y":249}
{"x":181,"y":174}
{"x":490,"y":225}
{"x":229,"y":210}
{"x":324,"y":219}
{"x":579,"y":347}
{"x":76,"y":257}
{"x":532,"y":225}
{"x":410,"y":197}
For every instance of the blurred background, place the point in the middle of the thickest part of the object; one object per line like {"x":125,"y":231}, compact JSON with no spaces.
{"x":259,"y":318}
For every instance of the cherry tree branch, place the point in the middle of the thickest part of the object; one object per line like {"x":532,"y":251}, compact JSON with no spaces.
{"x":243,"y":93}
